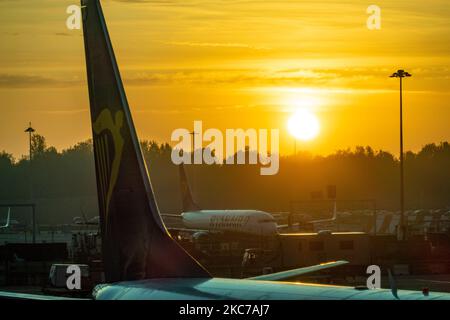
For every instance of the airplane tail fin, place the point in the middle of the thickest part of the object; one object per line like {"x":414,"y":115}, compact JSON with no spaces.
{"x":8,"y":219}
{"x":135,"y":242}
{"x":186,"y":195}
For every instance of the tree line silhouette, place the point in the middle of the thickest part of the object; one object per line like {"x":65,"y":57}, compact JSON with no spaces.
{"x":63,"y":183}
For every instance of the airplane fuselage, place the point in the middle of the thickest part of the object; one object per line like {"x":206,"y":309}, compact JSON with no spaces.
{"x":252,"y":222}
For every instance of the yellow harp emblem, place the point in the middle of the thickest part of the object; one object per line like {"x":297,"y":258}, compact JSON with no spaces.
{"x":108,"y":170}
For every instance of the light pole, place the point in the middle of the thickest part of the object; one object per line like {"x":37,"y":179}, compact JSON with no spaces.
{"x":30,"y":131}
{"x":193,"y":133}
{"x":194,"y":180}
{"x":402,"y":230}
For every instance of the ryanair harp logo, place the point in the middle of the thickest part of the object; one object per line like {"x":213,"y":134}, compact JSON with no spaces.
{"x":107,"y":160}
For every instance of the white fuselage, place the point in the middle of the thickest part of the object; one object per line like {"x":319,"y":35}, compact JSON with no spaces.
{"x":243,"y":289}
{"x":252,"y":222}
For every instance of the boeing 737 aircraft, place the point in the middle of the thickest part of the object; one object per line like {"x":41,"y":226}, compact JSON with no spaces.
{"x":141,"y":260}
{"x":314,"y":225}
{"x":249,"y":222}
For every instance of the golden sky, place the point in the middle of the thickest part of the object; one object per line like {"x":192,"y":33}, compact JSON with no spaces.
{"x":234,"y":64}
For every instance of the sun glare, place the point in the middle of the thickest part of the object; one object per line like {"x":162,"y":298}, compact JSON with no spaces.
{"x":305,"y":102}
{"x":303,"y":125}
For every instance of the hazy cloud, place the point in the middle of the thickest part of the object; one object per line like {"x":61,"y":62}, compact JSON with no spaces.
{"x":215,"y":45}
{"x":26,"y":81}
{"x":64,"y":112}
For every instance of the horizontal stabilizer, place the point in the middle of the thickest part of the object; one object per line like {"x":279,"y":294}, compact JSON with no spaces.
{"x":285,"y":275}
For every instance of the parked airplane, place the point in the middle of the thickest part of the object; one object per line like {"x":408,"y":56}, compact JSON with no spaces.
{"x":141,"y":260}
{"x":83,"y":220}
{"x":250,"y":222}
{"x":195,"y":219}
{"x":313,"y":225}
{"x":12,"y":225}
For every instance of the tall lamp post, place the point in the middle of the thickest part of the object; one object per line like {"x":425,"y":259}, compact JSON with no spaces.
{"x":194,"y":180}
{"x":30,"y":131}
{"x":402,"y":230}
{"x":193,"y":134}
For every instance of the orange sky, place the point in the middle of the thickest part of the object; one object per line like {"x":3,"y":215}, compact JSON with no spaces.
{"x":234,"y":64}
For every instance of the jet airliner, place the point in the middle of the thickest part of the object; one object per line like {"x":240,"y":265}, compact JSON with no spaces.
{"x":195,"y":219}
{"x":243,"y":221}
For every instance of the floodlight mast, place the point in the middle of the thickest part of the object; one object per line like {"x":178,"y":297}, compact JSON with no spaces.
{"x":401,"y":232}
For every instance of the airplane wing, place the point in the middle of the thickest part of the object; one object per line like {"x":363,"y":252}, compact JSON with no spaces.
{"x":171,"y":215}
{"x":25,"y":296}
{"x":177,"y":216}
{"x":191,"y":230}
{"x":286,"y":226}
{"x":284,"y":275}
{"x":312,"y":222}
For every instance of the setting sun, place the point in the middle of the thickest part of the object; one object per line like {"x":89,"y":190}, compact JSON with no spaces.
{"x":303,"y":125}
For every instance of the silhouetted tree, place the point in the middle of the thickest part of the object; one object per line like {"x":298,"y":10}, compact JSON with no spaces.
{"x":64,"y":181}
{"x":38,"y":145}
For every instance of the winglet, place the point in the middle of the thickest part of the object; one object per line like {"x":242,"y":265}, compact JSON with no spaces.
{"x":393,"y":284}
{"x":8,"y":219}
